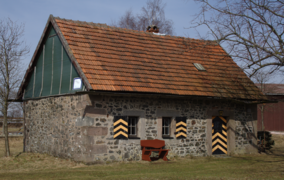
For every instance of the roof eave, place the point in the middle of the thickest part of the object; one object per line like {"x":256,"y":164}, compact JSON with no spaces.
{"x":131,"y":93}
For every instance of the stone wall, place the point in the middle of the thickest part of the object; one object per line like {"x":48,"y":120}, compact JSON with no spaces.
{"x":80,"y":126}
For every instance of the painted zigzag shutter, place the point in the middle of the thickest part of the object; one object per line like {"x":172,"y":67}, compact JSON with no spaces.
{"x":120,"y":127}
{"x":219,"y":135}
{"x":181,"y":127}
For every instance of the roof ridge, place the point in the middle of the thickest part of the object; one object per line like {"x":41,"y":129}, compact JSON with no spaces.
{"x":131,"y":30}
{"x":78,"y":21}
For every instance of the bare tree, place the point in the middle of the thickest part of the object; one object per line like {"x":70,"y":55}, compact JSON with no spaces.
{"x":152,"y":14}
{"x":128,"y":21}
{"x":15,"y":109}
{"x":12,"y":50}
{"x":252,"y":30}
{"x":261,"y":78}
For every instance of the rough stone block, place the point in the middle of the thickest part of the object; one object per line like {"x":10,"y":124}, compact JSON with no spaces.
{"x":94,"y":112}
{"x":97,"y":149}
{"x":100,"y":142}
{"x":88,"y":140}
{"x":134,"y":113}
{"x":112,"y":157}
{"x":79,"y":157}
{"x":167,"y":112}
{"x":95,"y":131}
{"x":89,"y":158}
{"x":86,"y":121}
{"x":82,"y":105}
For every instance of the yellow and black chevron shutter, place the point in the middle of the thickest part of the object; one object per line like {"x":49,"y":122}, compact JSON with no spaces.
{"x":120,"y":127}
{"x":180,"y":127}
{"x":219,"y":135}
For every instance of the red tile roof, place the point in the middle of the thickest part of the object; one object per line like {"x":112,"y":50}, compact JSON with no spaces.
{"x":115,"y":59}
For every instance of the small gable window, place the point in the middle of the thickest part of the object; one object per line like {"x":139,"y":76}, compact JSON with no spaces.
{"x":199,"y":67}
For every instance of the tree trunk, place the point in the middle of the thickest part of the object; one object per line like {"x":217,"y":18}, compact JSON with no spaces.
{"x":262,"y":118}
{"x":262,"y":124}
{"x":5,"y":124}
{"x":24,"y":139}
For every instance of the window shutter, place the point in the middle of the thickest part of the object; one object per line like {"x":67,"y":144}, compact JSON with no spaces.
{"x":181,"y":127}
{"x":120,"y":127}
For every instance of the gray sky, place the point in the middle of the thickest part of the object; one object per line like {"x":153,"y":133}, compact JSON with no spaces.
{"x":34,"y":14}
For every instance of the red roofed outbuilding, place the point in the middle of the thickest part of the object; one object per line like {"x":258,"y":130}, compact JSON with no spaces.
{"x":273,"y":113}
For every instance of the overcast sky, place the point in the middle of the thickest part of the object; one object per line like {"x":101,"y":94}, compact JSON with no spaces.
{"x":34,"y":14}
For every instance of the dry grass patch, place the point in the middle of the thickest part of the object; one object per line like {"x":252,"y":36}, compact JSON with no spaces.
{"x":28,"y":162}
{"x":279,"y":140}
{"x":16,"y":145}
{"x":43,"y":166}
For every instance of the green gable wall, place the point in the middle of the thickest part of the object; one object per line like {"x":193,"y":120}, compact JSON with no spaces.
{"x":53,"y":73}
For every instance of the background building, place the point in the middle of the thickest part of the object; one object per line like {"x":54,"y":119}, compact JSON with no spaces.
{"x":273,"y":113}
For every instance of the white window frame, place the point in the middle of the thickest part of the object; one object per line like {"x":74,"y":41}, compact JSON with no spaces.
{"x":166,"y":126}
{"x":130,"y":120}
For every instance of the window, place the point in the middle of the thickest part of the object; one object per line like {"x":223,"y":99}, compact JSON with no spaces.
{"x":132,"y":126}
{"x":166,"y":126}
{"x":199,"y":67}
{"x":125,"y":127}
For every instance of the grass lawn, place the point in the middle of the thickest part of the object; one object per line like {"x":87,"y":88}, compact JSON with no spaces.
{"x":42,"y":166}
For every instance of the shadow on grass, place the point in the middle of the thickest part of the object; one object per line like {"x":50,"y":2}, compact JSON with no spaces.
{"x":162,"y":162}
{"x":270,"y":156}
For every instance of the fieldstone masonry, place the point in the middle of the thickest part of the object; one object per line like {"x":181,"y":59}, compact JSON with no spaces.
{"x":80,"y":127}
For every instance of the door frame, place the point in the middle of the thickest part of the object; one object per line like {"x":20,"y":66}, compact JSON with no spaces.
{"x":226,"y":121}
{"x":231,"y":127}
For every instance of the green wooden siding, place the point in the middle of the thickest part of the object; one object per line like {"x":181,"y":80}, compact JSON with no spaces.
{"x":52,"y":32}
{"x":56,"y":68}
{"x":65,"y":74}
{"x":29,"y":88}
{"x":74,"y":75}
{"x":38,"y":75}
{"x":47,"y":64}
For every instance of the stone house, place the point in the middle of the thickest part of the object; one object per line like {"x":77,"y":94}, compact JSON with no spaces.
{"x":92,"y":92}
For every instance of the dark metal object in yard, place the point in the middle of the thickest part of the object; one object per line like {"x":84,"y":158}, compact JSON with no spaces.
{"x":149,"y":146}
{"x":264,"y":141}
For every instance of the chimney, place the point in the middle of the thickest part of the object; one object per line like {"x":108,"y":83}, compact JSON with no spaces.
{"x":152,"y":28}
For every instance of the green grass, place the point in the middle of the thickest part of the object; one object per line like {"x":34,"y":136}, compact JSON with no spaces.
{"x":42,"y":166}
